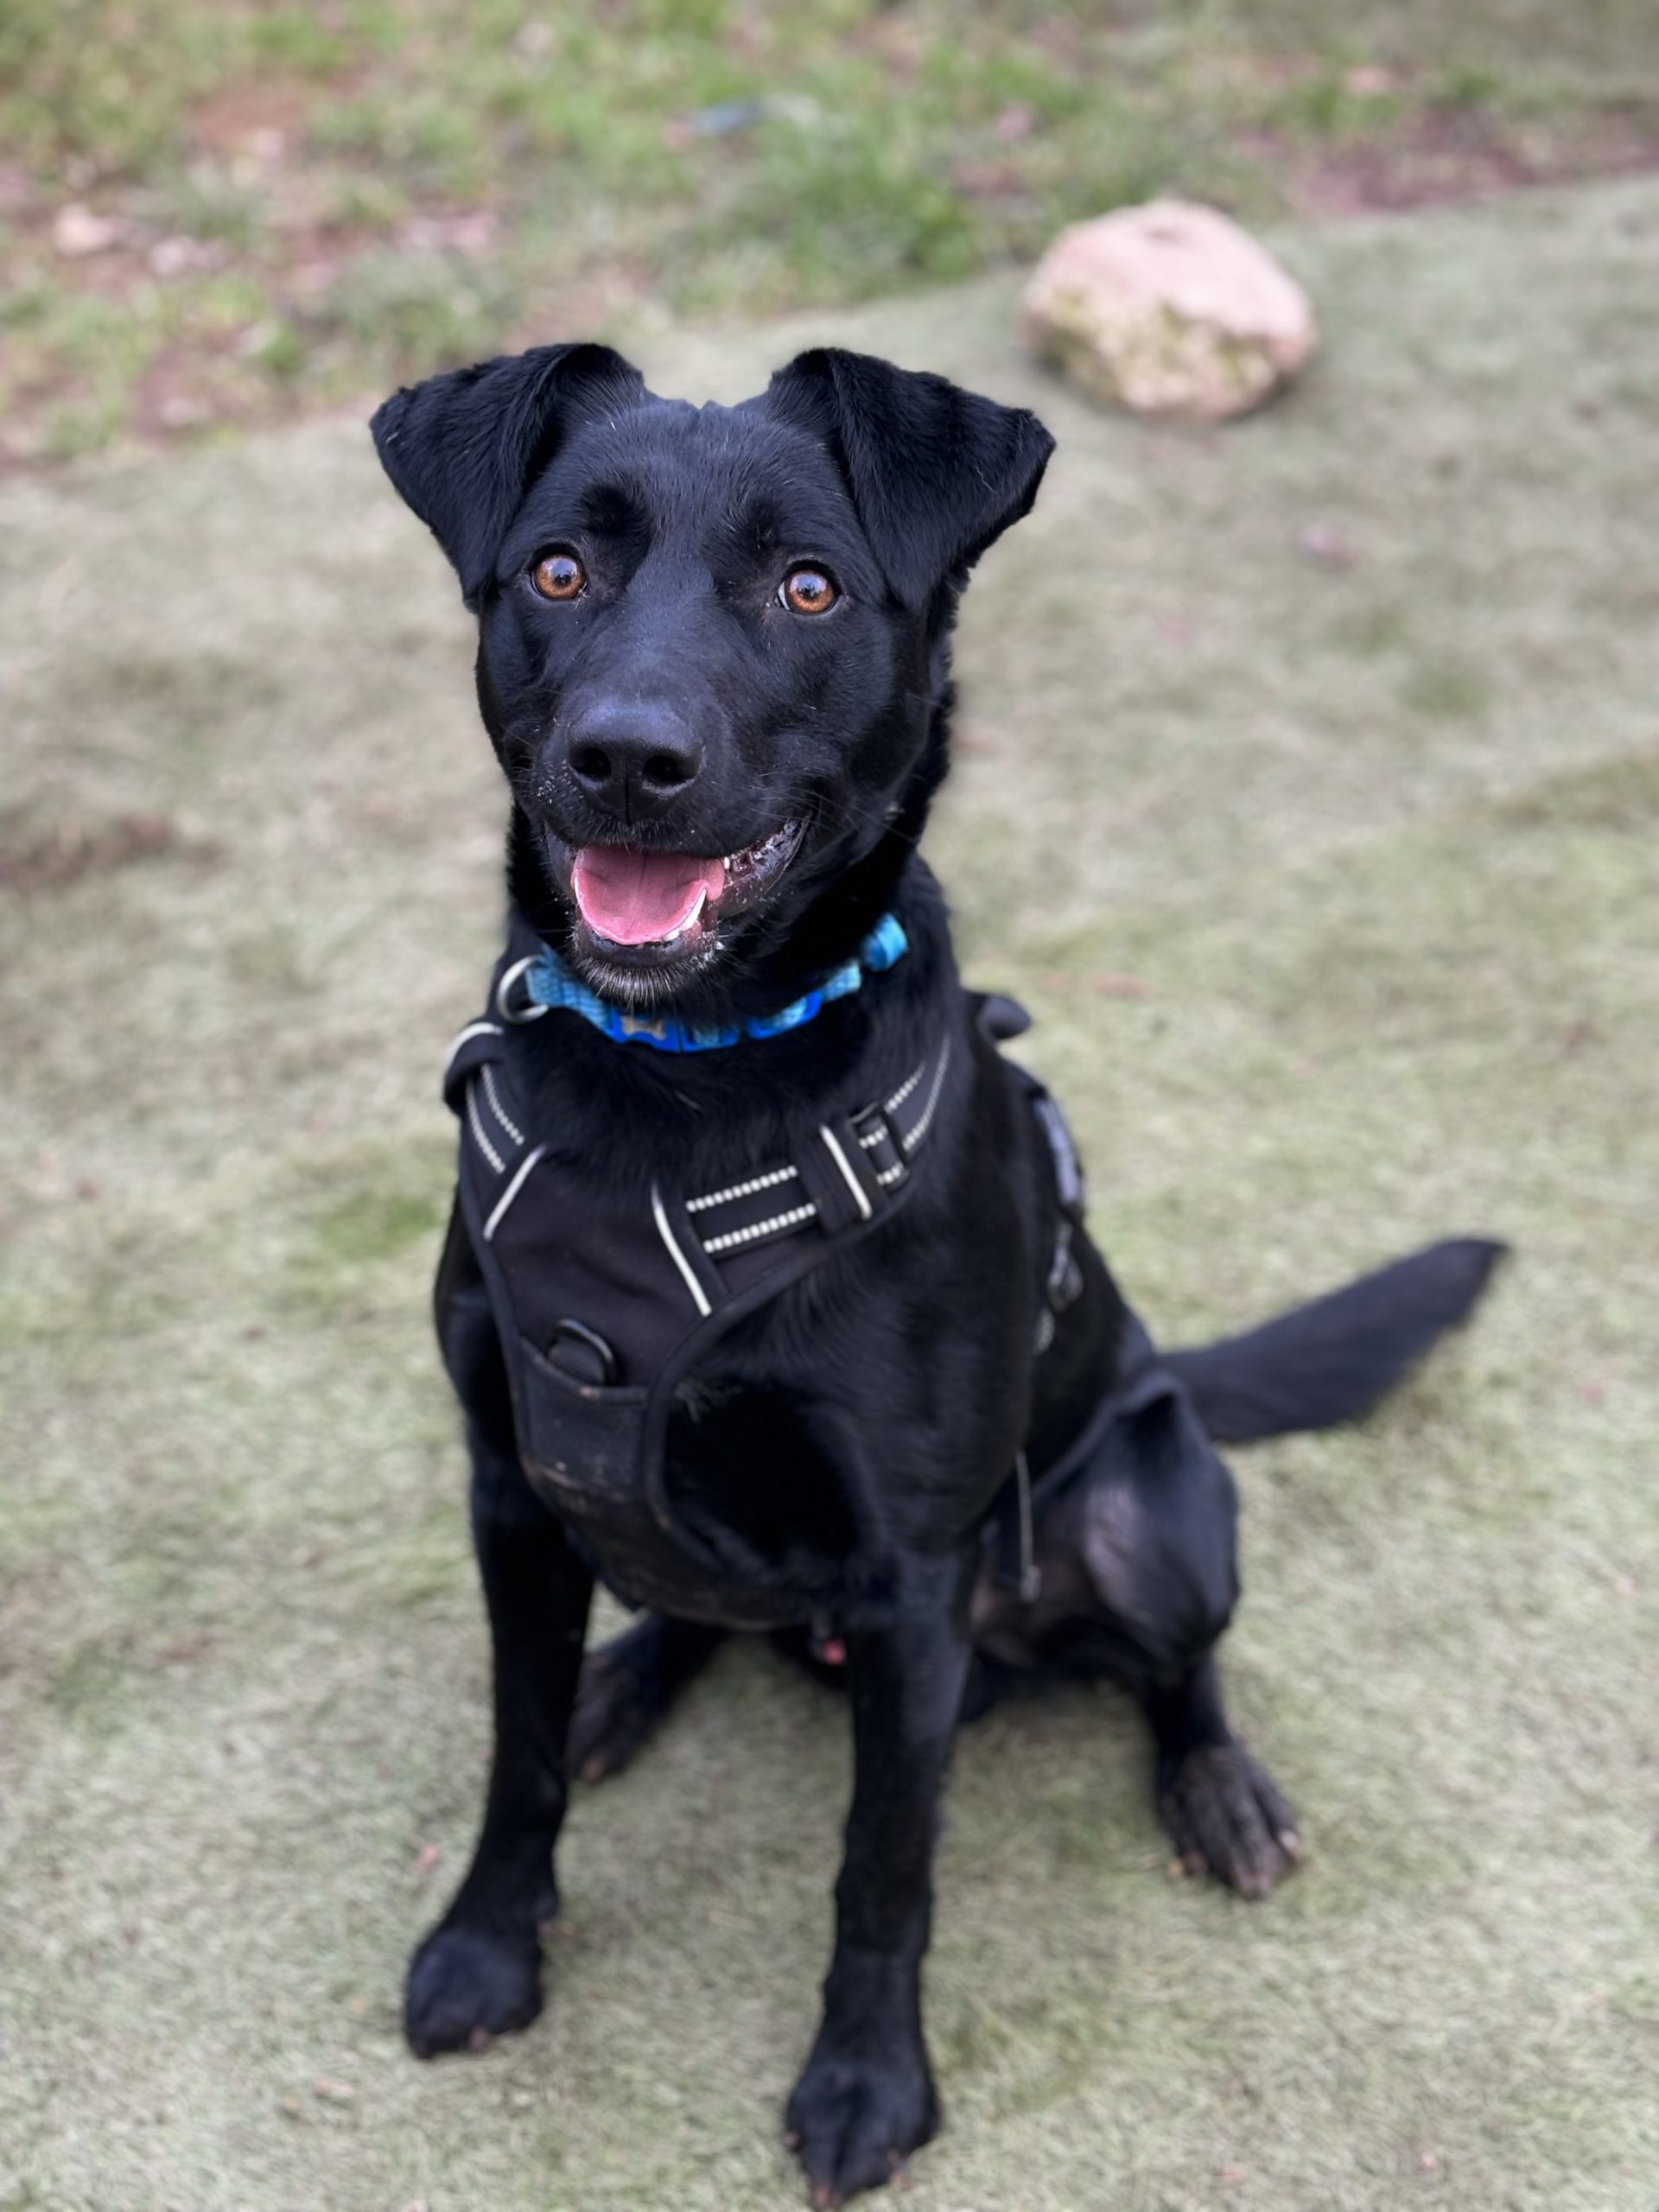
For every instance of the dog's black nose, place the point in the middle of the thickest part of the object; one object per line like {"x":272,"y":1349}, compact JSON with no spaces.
{"x":632,"y":759}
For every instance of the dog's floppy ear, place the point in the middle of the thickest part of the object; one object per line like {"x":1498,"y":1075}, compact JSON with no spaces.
{"x":464,"y":448}
{"x":935,"y":473}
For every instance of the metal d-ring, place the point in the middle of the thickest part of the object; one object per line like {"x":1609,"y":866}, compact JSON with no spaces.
{"x":532,"y":1012}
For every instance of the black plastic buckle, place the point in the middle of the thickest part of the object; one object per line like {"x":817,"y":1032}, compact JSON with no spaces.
{"x":876,"y":1119}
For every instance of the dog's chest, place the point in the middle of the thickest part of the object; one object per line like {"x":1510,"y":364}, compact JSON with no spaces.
{"x":608,"y":1298}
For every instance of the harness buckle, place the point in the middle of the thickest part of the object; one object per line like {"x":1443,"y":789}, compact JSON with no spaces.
{"x":881,"y":1147}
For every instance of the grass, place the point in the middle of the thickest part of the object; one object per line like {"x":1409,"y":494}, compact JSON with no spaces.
{"x":272,"y":208}
{"x":1308,"y":792}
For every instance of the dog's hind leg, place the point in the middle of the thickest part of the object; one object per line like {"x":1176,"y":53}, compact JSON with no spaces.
{"x":1139,"y":1582}
{"x":1224,"y":1814}
{"x":628,"y":1686}
{"x":1158,"y":1534}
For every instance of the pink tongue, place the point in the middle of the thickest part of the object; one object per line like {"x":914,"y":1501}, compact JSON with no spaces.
{"x":630,"y":895}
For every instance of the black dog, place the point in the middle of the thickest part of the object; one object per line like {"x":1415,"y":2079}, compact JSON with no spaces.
{"x":767,"y":1296}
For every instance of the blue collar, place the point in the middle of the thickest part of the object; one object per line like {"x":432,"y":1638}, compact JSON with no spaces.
{"x":549,"y":982}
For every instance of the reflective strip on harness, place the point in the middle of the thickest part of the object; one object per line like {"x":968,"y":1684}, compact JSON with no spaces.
{"x":699,"y":1296}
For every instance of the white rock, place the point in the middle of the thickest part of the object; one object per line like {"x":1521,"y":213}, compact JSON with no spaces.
{"x":1170,"y":309}
{"x":76,"y":230}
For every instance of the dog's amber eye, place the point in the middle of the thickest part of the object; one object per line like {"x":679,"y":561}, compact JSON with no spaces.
{"x":808,"y":591}
{"x":559,"y":576}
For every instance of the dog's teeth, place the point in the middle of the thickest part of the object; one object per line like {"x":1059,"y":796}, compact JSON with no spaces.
{"x":674,"y":936}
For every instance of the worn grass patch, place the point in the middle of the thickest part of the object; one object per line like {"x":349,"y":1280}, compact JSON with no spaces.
{"x":1309,"y":794}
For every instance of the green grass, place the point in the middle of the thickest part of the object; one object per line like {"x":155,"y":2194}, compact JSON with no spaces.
{"x":1372,"y":841}
{"x":310,"y":203}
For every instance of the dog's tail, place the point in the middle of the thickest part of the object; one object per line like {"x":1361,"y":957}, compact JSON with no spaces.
{"x":1331,"y":1361}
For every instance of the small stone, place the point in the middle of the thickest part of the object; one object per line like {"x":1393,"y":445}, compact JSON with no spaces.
{"x":76,"y":230}
{"x":179,"y":256}
{"x":1168,"y":308}
{"x":1325,"y":546}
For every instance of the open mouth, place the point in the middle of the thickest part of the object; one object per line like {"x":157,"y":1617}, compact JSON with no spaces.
{"x":654,"y":905}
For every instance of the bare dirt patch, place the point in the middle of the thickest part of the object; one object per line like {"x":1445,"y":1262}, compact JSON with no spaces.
{"x":1455,"y":153}
{"x":35,"y":858}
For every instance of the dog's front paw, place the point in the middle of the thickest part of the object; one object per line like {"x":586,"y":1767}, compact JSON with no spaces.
{"x":468,"y":1985}
{"x":1224,"y":1816}
{"x":852,"y":2122}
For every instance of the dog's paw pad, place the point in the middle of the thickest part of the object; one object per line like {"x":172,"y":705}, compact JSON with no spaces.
{"x":467,"y":1987}
{"x":1225,"y":1818}
{"x":852,"y":2123}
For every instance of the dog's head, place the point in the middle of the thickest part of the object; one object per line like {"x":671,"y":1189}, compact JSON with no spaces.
{"x":712,"y":640}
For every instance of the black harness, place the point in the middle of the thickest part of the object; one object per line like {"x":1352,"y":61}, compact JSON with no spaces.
{"x":604,"y":1307}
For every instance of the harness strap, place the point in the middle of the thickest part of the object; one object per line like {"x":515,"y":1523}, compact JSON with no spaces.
{"x":1013,"y":1517}
{"x":844,"y":1173}
{"x":1016,"y":1545}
